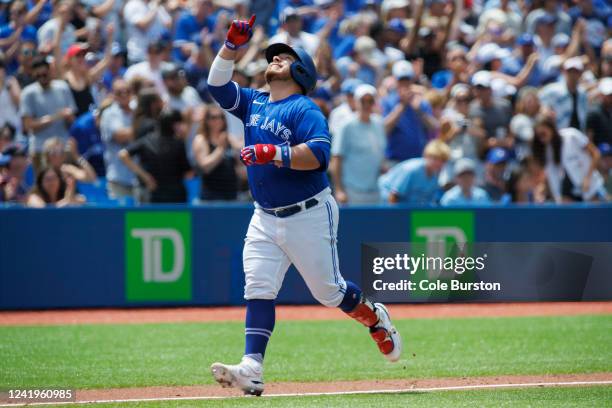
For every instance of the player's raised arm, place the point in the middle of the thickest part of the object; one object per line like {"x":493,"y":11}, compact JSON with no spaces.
{"x":222,"y":68}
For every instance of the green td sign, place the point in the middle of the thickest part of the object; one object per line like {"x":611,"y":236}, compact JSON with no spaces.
{"x":158,"y":255}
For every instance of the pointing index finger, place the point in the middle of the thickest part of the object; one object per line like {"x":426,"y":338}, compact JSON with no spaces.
{"x":252,"y":20}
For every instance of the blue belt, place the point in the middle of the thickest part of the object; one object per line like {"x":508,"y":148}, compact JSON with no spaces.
{"x":294,"y":209}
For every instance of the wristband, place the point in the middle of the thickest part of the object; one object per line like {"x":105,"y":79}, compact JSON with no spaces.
{"x":283,"y":154}
{"x":230,"y":45}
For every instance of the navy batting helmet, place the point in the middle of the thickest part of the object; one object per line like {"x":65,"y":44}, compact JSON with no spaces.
{"x":303,"y":70}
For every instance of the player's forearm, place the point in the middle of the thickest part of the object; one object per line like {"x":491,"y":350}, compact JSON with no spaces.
{"x":302,"y":158}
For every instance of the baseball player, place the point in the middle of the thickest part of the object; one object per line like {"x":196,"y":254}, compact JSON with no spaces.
{"x":287,"y":149}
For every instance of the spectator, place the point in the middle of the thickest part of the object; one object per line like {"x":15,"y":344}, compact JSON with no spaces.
{"x":495,"y":170}
{"x":145,"y":22}
{"x":116,"y":67}
{"x":189,"y":27}
{"x":291,"y":32}
{"x":570,"y":161}
{"x":520,"y":187}
{"x":216,"y":158}
{"x":345,"y":110}
{"x":408,"y":117}
{"x":86,"y":131}
{"x":116,"y":129}
{"x":27,"y":53}
{"x":10,"y":93}
{"x":358,"y":152}
{"x":521,"y":125}
{"x":47,"y":108}
{"x":599,"y":118}
{"x":606,"y":167}
{"x":7,"y":136}
{"x":465,"y":193}
{"x":148,"y":108}
{"x":109,"y":12}
{"x":58,"y":29}
{"x":65,"y":158}
{"x":80,"y":77}
{"x":13,"y":185}
{"x":553,"y":14}
{"x":151,"y":68}
{"x":415,"y":181}
{"x":181,"y":97}
{"x":163,"y":161}
{"x":489,"y":114}
{"x":18,"y":29}
{"x":455,"y":129}
{"x":606,"y":59}
{"x":566,"y":98}
{"x":52,"y":189}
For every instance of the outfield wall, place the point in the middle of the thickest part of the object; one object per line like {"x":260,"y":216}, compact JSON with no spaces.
{"x":171,"y":255}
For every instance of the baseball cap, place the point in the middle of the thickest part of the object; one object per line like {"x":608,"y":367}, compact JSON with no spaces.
{"x":287,"y":13}
{"x":397,"y":25}
{"x":560,"y":40}
{"x":482,"y":79}
{"x":459,"y":88}
{"x":525,"y":39}
{"x":497,"y":155}
{"x":388,"y":5}
{"x":116,"y":49}
{"x":605,"y":86}
{"x":363,"y":90}
{"x":350,"y":85}
{"x":323,"y":3}
{"x":171,"y":71}
{"x":573,"y":63}
{"x":486,"y":53}
{"x":402,"y":70}
{"x":546,"y":18}
{"x":76,"y":49}
{"x":605,"y":149}
{"x":464,"y":165}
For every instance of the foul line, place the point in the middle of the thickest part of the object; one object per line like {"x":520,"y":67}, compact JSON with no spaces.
{"x":312,"y":394}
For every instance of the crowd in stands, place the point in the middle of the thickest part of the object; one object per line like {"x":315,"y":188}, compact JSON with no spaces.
{"x":443,"y":102}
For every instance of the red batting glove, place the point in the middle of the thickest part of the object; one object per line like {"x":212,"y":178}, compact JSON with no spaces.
{"x":257,"y":154}
{"x":240,"y":33}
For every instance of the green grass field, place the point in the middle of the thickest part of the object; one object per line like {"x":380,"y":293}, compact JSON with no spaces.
{"x":136,"y":355}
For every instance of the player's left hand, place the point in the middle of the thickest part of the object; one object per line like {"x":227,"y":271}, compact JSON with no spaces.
{"x":257,"y":154}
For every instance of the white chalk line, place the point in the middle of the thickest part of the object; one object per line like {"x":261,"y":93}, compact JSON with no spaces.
{"x":314,"y":394}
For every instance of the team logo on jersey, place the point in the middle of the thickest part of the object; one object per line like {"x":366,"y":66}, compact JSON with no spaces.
{"x":269,"y":124}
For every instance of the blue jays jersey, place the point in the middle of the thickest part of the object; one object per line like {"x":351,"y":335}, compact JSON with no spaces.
{"x":293,"y":120}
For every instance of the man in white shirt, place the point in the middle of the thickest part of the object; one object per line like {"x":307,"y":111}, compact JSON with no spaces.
{"x":145,"y":21}
{"x":151,"y":68}
{"x":291,"y":32}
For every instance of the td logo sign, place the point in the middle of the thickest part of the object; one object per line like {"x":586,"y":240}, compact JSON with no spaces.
{"x":158,"y":255}
{"x":436,"y":232}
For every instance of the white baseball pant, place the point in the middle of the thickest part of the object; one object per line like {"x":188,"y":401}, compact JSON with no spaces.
{"x":307,"y":240}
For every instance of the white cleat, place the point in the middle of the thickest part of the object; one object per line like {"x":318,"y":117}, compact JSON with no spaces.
{"x":386,"y":335}
{"x":248,"y":376}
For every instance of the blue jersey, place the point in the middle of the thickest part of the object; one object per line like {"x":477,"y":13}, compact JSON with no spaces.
{"x":293,"y":120}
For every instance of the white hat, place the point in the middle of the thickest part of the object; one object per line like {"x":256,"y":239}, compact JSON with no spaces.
{"x":458,"y":88}
{"x":363,"y":90}
{"x":464,"y":165}
{"x":605,"y":86}
{"x":482,"y":78}
{"x":573,"y":63}
{"x":402,"y":69}
{"x":393,"y":4}
{"x":364,"y":44}
{"x":487,"y":53}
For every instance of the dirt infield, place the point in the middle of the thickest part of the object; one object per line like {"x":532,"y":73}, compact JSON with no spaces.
{"x":342,"y":387}
{"x":210,"y":314}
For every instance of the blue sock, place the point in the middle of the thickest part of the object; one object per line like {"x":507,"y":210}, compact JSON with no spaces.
{"x":352,"y":297}
{"x":259,"y":325}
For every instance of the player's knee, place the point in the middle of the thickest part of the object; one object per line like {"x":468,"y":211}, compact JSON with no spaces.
{"x":330,"y":297}
{"x":258,"y":291}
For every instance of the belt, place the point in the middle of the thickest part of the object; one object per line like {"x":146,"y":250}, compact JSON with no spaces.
{"x":291,"y":210}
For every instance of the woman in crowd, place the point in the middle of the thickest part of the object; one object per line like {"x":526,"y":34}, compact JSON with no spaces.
{"x":216,"y":158}
{"x":521,"y":125}
{"x":163,"y":161}
{"x":570,"y":161}
{"x":148,"y":108}
{"x":76,"y":72}
{"x":65,"y":158}
{"x":54,"y":189}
